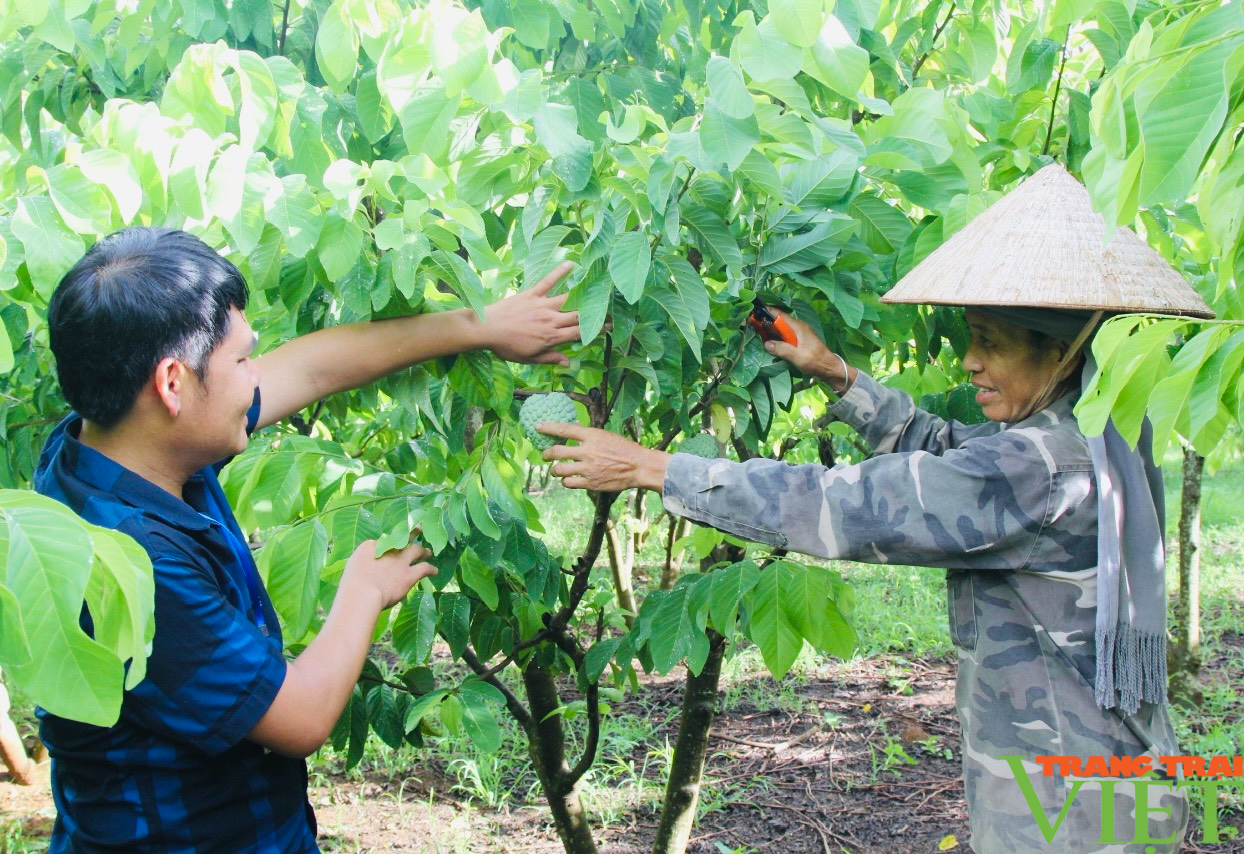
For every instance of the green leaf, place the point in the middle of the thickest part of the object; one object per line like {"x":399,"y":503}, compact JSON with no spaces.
{"x":629,"y":263}
{"x":49,"y":246}
{"x":383,"y":714}
{"x":596,"y":288}
{"x":822,"y":181}
{"x":532,"y":21}
{"x":727,"y":90}
{"x":726,"y":139}
{"x":351,"y":525}
{"x":727,"y":588}
{"x":686,"y":301}
{"x":337,"y":46}
{"x":291,"y":564}
{"x":6,"y":345}
{"x":459,"y":275}
{"x":297,"y":213}
{"x":598,"y":658}
{"x":1036,"y":65}
{"x":82,"y":204}
{"x":121,"y":597}
{"x":712,"y":235}
{"x":454,"y":621}
{"x":883,"y":227}
{"x":816,"y":247}
{"x":14,"y":645}
{"x":479,"y":714}
{"x":775,"y":625}
{"x":479,"y":577}
{"x":762,"y":51}
{"x":837,"y":61}
{"x":414,"y":630}
{"x":425,"y":121}
{"x":423,"y":706}
{"x":798,"y":21}
{"x":672,"y":627}
{"x":544,"y":253}
{"x":1184,"y":104}
{"x":47,"y":560}
{"x":760,"y":171}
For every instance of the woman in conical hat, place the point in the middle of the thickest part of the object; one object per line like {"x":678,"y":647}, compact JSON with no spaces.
{"x":1053,"y":542}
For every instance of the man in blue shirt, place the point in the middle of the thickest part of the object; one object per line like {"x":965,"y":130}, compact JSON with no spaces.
{"x":156,"y":358}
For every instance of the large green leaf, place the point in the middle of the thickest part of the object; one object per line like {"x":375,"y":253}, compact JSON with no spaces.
{"x":479,"y":577}
{"x":762,"y":51}
{"x":1180,"y":107}
{"x":726,"y":87}
{"x":727,"y":588}
{"x":712,"y":235}
{"x":726,"y":139}
{"x":120,"y":595}
{"x":883,"y":227}
{"x":337,"y":46}
{"x":775,"y":618}
{"x":50,"y":247}
{"x":291,"y":564}
{"x":672,"y":627}
{"x":47,"y":556}
{"x":414,"y":630}
{"x":629,"y":263}
{"x":836,"y":60}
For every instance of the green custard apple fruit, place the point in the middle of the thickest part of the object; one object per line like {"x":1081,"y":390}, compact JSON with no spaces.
{"x":702,"y":445}
{"x":546,"y":407}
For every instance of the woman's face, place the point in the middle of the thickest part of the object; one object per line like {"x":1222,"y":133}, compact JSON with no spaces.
{"x":1009,"y":373}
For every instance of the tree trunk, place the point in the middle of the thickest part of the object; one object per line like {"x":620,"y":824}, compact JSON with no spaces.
{"x":547,"y":745}
{"x":639,"y":527}
{"x":682,"y":794}
{"x":1188,"y":609}
{"x":12,"y":751}
{"x":622,"y":564}
{"x":679,"y":528}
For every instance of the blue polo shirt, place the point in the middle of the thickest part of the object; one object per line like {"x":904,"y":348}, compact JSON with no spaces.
{"x":176,"y":773}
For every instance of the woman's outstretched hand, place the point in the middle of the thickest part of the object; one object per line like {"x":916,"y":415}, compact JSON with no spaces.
{"x":811,"y":356}
{"x":602,"y":461}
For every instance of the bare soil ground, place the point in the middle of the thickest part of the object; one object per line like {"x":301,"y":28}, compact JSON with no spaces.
{"x":832,"y":777}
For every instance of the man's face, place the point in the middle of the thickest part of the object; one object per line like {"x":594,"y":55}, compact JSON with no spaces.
{"x":217,"y":407}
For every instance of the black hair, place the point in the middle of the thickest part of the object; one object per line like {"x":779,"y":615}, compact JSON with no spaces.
{"x":136,"y":297}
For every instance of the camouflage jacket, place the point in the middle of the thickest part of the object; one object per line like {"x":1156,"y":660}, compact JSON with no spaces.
{"x":1011,"y":512}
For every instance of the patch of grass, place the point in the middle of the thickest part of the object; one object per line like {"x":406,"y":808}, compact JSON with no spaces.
{"x":14,"y":838}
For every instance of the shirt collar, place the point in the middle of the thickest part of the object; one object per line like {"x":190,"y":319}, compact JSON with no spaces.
{"x":101,"y":473}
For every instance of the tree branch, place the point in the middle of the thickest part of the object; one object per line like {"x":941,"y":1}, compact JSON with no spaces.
{"x":920,"y":60}
{"x":280,"y":44}
{"x":593,"y":735}
{"x":515,"y":705}
{"x":1058,"y":84}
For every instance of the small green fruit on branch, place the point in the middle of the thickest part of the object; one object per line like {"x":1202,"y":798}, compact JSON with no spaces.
{"x":546,"y":407}
{"x":701,"y":445}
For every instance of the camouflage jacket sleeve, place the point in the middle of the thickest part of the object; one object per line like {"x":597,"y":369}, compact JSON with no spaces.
{"x":888,"y":420}
{"x":1009,"y":499}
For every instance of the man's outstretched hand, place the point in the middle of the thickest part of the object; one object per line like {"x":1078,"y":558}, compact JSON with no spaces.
{"x":528,"y":326}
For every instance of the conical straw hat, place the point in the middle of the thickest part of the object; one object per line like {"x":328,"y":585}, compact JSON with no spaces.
{"x":1043,"y":245}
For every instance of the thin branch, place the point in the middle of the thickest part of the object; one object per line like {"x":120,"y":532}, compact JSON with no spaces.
{"x":515,"y":705}
{"x":593,"y":735}
{"x":1058,"y":84}
{"x":915,"y":69}
{"x":280,"y":45}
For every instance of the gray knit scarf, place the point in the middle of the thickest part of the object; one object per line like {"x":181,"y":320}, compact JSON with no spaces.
{"x":1131,"y":551}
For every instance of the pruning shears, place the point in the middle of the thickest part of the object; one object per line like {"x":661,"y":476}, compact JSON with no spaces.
{"x":770,"y":326}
